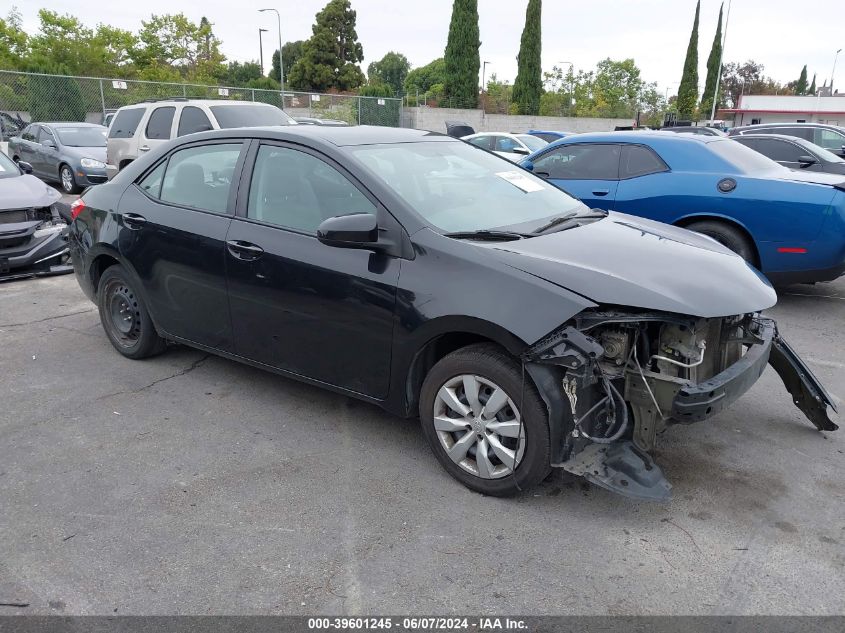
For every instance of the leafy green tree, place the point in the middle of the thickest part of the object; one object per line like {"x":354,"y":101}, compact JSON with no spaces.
{"x":713,"y":62}
{"x":461,"y":57}
{"x":330,"y":57}
{"x":13,"y":40}
{"x":420,"y":80}
{"x":746,"y":78}
{"x":191,"y":50}
{"x":529,"y":77}
{"x":616,"y":88}
{"x":812,"y":89}
{"x":688,"y":90}
{"x":801,"y":84}
{"x":392,"y":69}
{"x":55,"y":98}
{"x":376,"y":90}
{"x":291,"y":52}
{"x":241,"y":74}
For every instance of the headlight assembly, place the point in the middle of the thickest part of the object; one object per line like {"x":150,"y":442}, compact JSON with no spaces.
{"x":90,"y":162}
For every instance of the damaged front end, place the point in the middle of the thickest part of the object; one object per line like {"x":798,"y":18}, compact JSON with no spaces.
{"x":614,"y":380}
{"x":33,"y":241}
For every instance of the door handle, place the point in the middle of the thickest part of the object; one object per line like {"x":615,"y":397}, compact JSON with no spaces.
{"x":144,"y":148}
{"x":134,"y":221}
{"x":246,"y":251}
{"x":601,"y":192}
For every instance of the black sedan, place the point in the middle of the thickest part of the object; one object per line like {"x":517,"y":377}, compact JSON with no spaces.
{"x":794,"y":152}
{"x":414,"y":271}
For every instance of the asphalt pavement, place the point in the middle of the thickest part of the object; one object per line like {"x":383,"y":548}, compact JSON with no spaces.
{"x":190,"y":484}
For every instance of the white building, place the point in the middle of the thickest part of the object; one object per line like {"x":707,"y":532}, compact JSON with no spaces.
{"x":753,"y":109}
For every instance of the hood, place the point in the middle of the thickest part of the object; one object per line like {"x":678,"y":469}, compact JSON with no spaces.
{"x":628,"y":261}
{"x":97,"y":153}
{"x":21,"y":192}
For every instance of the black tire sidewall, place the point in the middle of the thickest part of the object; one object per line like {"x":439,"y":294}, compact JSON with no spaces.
{"x":149,"y":342}
{"x":727,"y":236}
{"x":73,"y":187}
{"x":491,"y":362}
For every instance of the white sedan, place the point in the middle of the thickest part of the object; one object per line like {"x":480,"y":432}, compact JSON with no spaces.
{"x":514,"y":147}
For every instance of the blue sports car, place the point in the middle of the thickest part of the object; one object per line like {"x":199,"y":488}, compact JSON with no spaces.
{"x":789,"y":224}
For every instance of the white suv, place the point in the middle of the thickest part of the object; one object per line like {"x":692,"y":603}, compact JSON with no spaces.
{"x":139,"y":128}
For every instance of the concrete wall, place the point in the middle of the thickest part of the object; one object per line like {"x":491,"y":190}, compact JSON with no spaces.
{"x":434,"y":119}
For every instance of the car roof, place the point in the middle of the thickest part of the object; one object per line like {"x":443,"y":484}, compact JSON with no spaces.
{"x":61,"y":124}
{"x":781,"y":137}
{"x":637,"y":137}
{"x":208,"y":102}
{"x":337,"y":135}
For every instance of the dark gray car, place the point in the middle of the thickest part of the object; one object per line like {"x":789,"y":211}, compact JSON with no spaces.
{"x":794,"y":152}
{"x":72,"y":154}
{"x":830,"y":137}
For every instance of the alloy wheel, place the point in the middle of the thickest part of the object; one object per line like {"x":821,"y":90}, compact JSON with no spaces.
{"x":67,"y":180}
{"x":479,"y":426}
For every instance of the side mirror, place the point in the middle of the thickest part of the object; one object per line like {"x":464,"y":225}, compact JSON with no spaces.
{"x":521,"y":151}
{"x":527,"y":165}
{"x":807,"y":160}
{"x":48,"y":143}
{"x":25,"y":168}
{"x":358,"y":230}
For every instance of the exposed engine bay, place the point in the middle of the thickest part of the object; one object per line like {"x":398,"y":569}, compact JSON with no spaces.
{"x":623,"y":378}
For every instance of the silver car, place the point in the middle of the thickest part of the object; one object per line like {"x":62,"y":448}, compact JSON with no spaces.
{"x":71,"y":154}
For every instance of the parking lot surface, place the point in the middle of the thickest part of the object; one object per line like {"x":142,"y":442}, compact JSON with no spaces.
{"x":190,"y":484}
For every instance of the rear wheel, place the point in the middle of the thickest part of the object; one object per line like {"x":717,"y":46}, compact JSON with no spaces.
{"x":728,"y":236}
{"x":487,"y":429}
{"x":125,"y":318}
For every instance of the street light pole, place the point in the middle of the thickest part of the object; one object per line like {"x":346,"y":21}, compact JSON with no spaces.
{"x":483,"y":75}
{"x":719,"y":74}
{"x":833,"y":73}
{"x":261,"y":48}
{"x":281,"y":65}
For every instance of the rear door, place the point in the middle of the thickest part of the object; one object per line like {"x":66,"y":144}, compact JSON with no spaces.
{"x":191,"y":120}
{"x":46,"y":154}
{"x":588,"y":171}
{"x":158,"y":128}
{"x":173,"y":223}
{"x":298,"y":305}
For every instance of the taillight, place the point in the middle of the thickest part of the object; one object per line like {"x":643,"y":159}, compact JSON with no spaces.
{"x":76,"y":208}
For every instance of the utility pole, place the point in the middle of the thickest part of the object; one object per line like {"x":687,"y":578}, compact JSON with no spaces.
{"x":483,"y":75}
{"x":835,"y":57}
{"x":261,"y":48}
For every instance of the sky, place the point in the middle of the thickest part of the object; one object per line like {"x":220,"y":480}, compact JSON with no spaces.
{"x":777,"y":33}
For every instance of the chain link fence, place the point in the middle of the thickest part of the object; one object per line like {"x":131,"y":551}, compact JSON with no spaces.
{"x":27,"y":97}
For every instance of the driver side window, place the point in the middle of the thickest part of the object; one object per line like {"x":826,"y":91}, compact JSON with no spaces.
{"x":297,"y":190}
{"x":580,"y":162}
{"x":505,"y":144}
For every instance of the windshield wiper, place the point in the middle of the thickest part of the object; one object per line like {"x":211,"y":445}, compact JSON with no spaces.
{"x":487,"y":234}
{"x":570,"y":218}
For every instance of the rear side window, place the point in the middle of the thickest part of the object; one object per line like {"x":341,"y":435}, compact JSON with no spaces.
{"x":200,"y":177}
{"x":125,"y":123}
{"x":549,"y":138}
{"x":481,"y":141}
{"x":505,"y":144}
{"x":193,"y":120}
{"x":639,"y":161}
{"x":160,"y":123}
{"x":778,"y":150}
{"x":151,"y":183}
{"x":829,"y":139}
{"x":229,"y":116}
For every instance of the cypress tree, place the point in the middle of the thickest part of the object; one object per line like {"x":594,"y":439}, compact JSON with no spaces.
{"x":461,"y":58}
{"x":688,"y":90}
{"x":812,"y":89}
{"x":529,"y":77}
{"x":712,"y":69}
{"x":801,"y":84}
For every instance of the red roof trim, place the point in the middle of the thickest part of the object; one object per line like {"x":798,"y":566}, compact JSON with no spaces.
{"x":811,"y":112}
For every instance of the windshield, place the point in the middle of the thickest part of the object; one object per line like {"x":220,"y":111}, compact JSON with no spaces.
{"x":532,"y":142}
{"x":8,"y":169}
{"x":743,"y":158}
{"x":82,"y":136}
{"x":249,"y":115}
{"x":455,"y":187}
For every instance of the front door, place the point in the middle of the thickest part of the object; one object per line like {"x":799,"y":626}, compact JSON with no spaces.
{"x":588,"y":171}
{"x":173,"y":230}
{"x":318,"y":311}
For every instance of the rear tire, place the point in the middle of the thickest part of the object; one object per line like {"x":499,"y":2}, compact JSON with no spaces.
{"x":471,"y":379}
{"x":728,"y":236}
{"x":124,"y":316}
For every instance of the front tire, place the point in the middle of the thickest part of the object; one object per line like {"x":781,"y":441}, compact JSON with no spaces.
{"x":124,"y":316}
{"x":67,"y":180}
{"x":472,"y":405}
